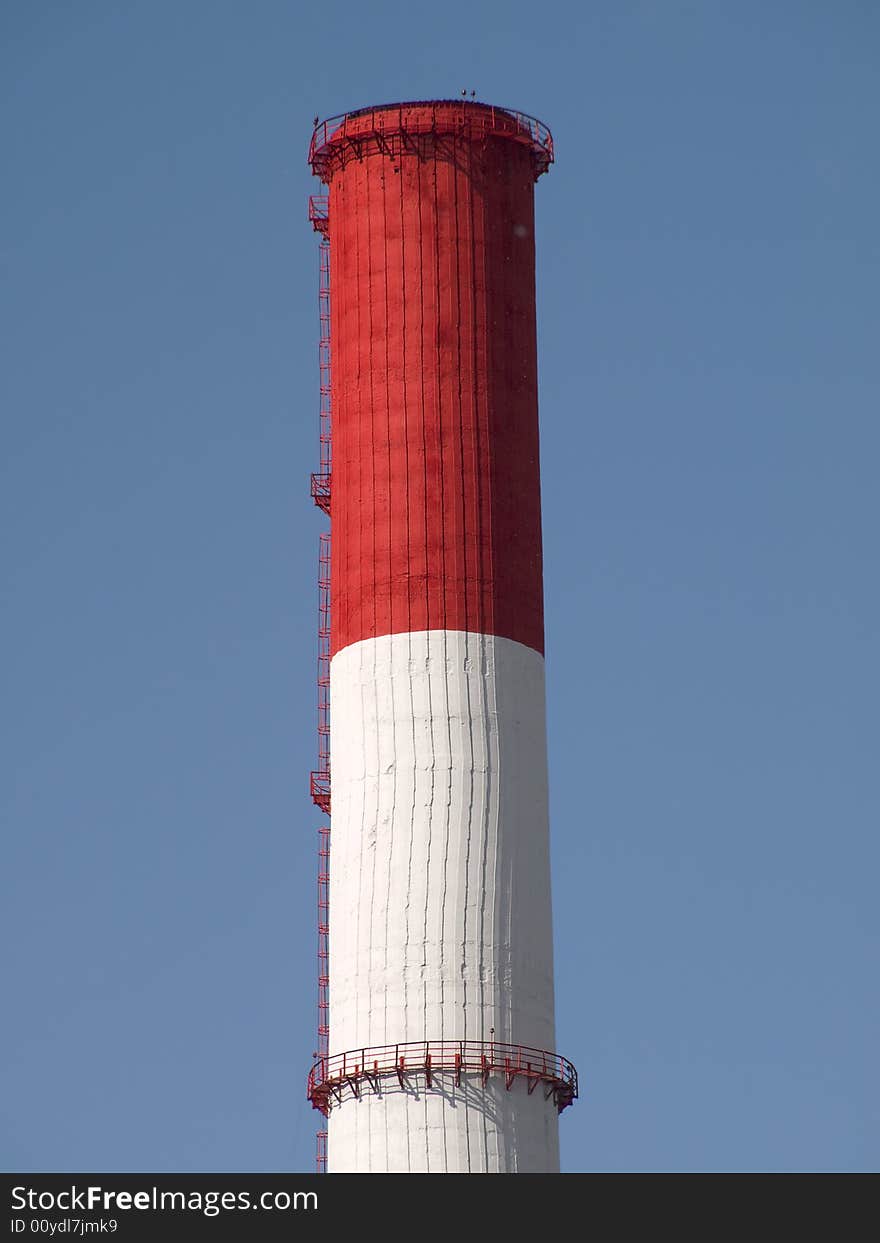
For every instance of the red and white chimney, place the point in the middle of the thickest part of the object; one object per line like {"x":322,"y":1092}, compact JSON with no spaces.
{"x":439,"y":1047}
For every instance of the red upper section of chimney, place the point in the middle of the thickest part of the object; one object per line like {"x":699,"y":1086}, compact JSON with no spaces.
{"x":436,"y":509}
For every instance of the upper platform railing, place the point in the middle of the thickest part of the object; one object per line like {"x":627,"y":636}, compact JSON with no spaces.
{"x":465,"y":118}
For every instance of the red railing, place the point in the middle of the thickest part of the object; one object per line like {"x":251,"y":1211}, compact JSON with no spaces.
{"x":319,"y":783}
{"x":320,"y":484}
{"x":358,"y":1070}
{"x":321,"y":1152}
{"x":323,"y":941}
{"x":319,"y":778}
{"x":319,"y":214}
{"x":323,"y":974}
{"x":382,"y":126}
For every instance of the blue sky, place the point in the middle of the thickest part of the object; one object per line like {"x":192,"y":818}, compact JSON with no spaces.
{"x":708,"y":327}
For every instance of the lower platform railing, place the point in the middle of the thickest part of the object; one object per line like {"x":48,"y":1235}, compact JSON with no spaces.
{"x":351,"y":1074}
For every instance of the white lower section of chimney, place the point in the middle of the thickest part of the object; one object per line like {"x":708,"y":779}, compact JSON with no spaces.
{"x":440,"y":917}
{"x":471,"y":1129}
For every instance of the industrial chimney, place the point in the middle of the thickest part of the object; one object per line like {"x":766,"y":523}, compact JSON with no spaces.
{"x":436,"y":1014}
